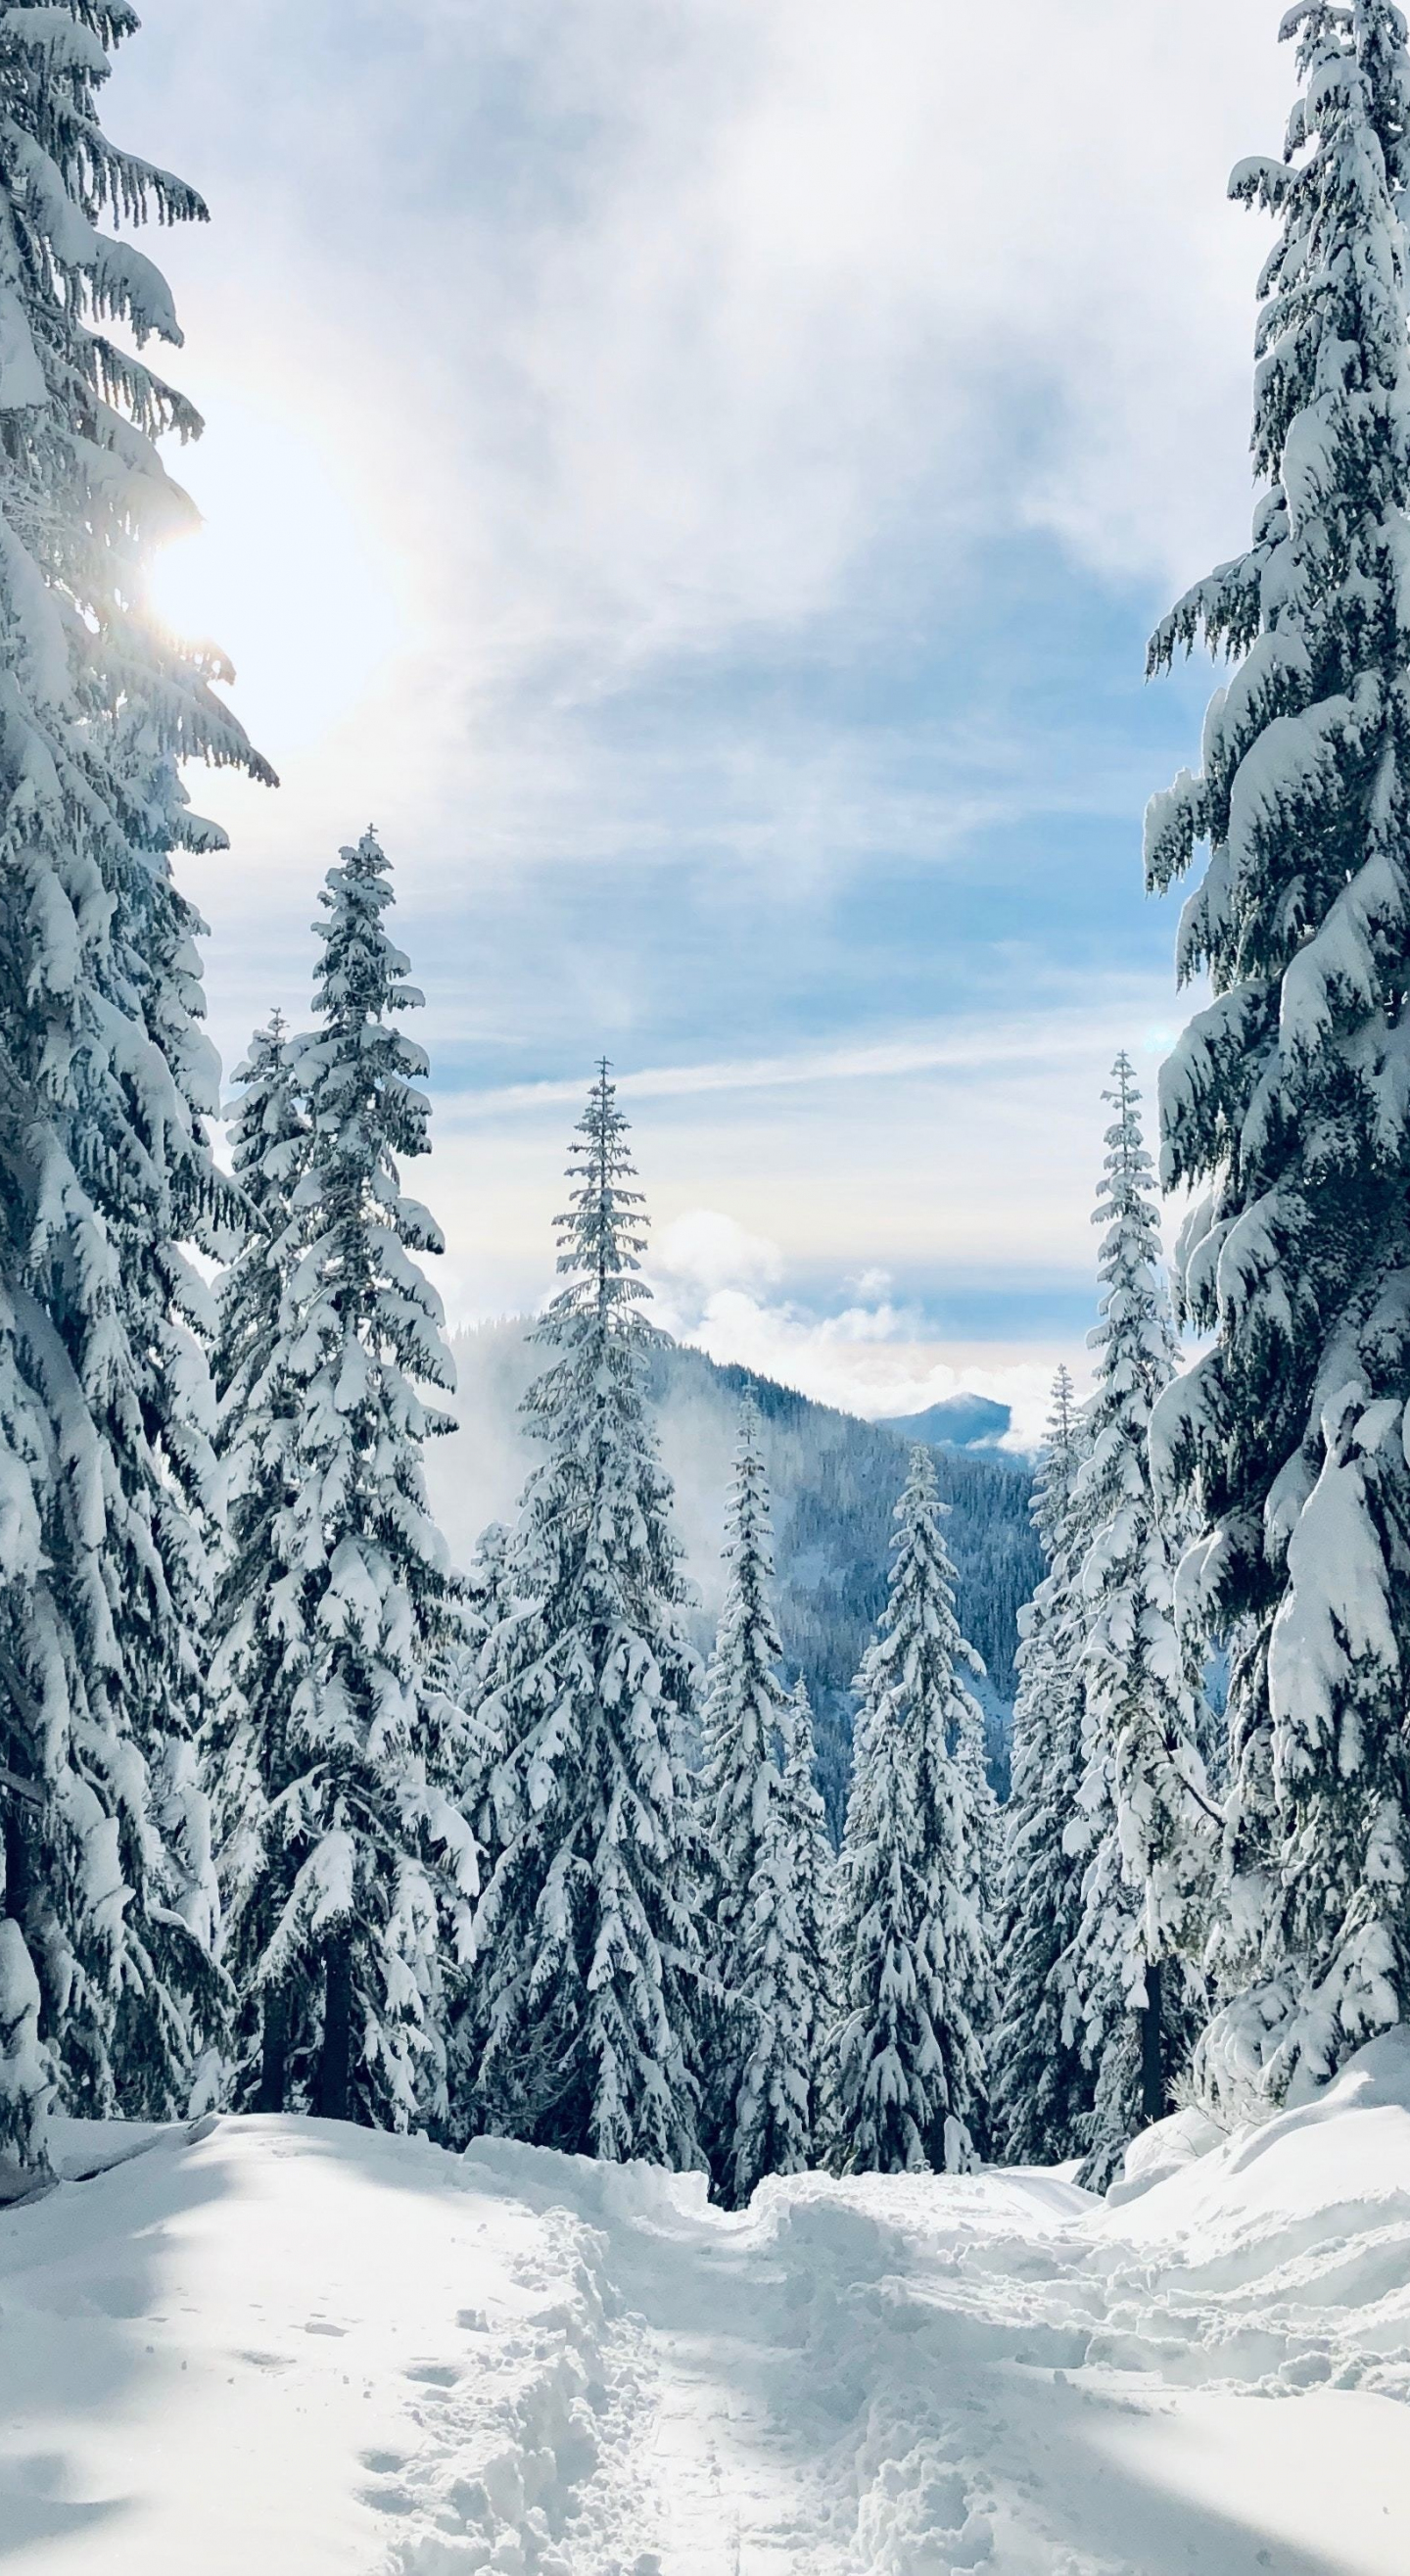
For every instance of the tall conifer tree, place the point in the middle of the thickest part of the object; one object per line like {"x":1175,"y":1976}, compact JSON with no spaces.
{"x":254,"y":1670}
{"x":1144,"y":1807}
{"x":815,"y":1863}
{"x":1286,"y":1102}
{"x":487,"y":1609}
{"x":913,"y":1970}
{"x":104,"y":1396}
{"x":759,"y":2102}
{"x":1042,"y":2089}
{"x":362,"y":1836}
{"x":587,"y":1992}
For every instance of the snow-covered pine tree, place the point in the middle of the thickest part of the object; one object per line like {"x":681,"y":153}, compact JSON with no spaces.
{"x":1145,"y":1816}
{"x":913,"y":1970}
{"x":587,"y":1996}
{"x":1041,"y":2089}
{"x":364,"y":1846}
{"x":488,"y":1603}
{"x":104,"y":1395}
{"x":1287,"y":1099}
{"x":816,"y":1862}
{"x":759,"y":2099}
{"x":252,"y":1674}
{"x":983,"y":1832}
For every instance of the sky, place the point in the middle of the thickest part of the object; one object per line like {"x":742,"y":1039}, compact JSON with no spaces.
{"x":699,"y":475}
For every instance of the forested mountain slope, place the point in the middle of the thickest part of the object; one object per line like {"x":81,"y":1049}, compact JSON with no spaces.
{"x":835,"y":1482}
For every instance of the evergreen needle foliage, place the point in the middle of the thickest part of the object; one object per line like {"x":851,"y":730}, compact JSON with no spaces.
{"x":588,"y":1992}
{"x":107,"y":1493}
{"x":913,"y":1966}
{"x":1142,"y":1813}
{"x":1042,"y":2088}
{"x":254,"y":1670}
{"x":353,"y":1876}
{"x":1287,"y":1105}
{"x":760,"y":1841}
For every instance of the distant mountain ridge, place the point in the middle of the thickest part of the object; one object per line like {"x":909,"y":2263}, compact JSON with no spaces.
{"x":835,"y":1479}
{"x":959,"y":1422}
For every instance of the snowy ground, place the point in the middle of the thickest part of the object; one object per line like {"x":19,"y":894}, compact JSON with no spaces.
{"x":280,"y":2348}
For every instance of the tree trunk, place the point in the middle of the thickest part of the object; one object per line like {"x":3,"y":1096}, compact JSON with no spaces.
{"x":274,"y":2052}
{"x":335,"y":2056}
{"x":1153,"y":2102}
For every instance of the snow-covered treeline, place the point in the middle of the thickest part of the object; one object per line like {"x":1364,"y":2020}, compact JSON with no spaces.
{"x":296,"y":1816}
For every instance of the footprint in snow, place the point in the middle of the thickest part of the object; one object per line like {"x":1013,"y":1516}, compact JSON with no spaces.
{"x":433,"y":2374}
{"x":388,"y":2499}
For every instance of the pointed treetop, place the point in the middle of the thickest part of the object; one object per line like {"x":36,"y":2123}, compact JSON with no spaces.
{"x":1062,"y":1418}
{"x":920,"y":1496}
{"x":603,"y":1232}
{"x":362,"y":974}
{"x":1128,"y":1168}
{"x":1058,"y":1463}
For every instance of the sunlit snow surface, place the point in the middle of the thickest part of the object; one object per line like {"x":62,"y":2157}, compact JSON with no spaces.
{"x":286,"y":2347}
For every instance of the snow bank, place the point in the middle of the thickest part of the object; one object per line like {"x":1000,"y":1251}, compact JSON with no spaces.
{"x":1333,"y":2161}
{"x":292,"y":2347}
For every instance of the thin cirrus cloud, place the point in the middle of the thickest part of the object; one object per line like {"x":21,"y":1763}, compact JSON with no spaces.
{"x":699,"y":477}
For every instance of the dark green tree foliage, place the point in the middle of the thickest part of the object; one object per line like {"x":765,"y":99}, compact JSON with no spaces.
{"x":258,"y":1622}
{"x":805,"y":1826}
{"x":487,"y":1607}
{"x":1143,"y":1813}
{"x":913,"y":1969}
{"x":587,"y":1994}
{"x":361,"y":1840}
{"x":758,"y":1844}
{"x":1287,"y":1105}
{"x":833,"y":1480}
{"x":106,"y":1486}
{"x":1041,"y":2087}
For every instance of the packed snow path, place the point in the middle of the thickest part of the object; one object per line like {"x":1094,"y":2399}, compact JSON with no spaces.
{"x":279,"y":2348}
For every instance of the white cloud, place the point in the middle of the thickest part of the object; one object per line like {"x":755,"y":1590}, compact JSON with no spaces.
{"x":872,"y":1358}
{"x":765,"y":307}
{"x":554,"y":357}
{"x":1051,"y":1037}
{"x":707,"y":1252}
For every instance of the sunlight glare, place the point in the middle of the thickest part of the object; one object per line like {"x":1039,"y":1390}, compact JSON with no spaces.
{"x":284,"y":575}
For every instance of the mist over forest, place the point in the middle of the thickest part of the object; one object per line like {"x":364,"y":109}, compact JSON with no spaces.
{"x":835,"y":1482}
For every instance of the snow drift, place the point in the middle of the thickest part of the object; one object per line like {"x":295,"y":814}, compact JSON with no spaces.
{"x":293,"y":2347}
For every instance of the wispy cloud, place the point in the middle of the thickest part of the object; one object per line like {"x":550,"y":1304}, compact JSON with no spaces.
{"x":1053,"y":1039}
{"x":698,"y":477}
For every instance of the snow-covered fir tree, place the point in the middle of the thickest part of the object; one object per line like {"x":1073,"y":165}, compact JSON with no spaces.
{"x":1144,"y":1814}
{"x":366,"y":1874}
{"x":105,"y":1418}
{"x":252,"y":1678}
{"x":908,"y":2081}
{"x":984,"y":1832}
{"x":587,"y":1994}
{"x":486,"y":1608}
{"x":815,"y":1862}
{"x":1286,"y":1103}
{"x":1041,"y":2086}
{"x":759,"y":2100}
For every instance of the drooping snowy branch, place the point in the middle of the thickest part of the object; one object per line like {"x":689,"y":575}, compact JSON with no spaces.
{"x":913,"y":1968}
{"x":1287,"y":1102}
{"x":353,"y":1872}
{"x":587,"y":1995}
{"x":109,"y":1503}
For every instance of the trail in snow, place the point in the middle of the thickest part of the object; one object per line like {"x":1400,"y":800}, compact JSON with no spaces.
{"x":285,"y":2348}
